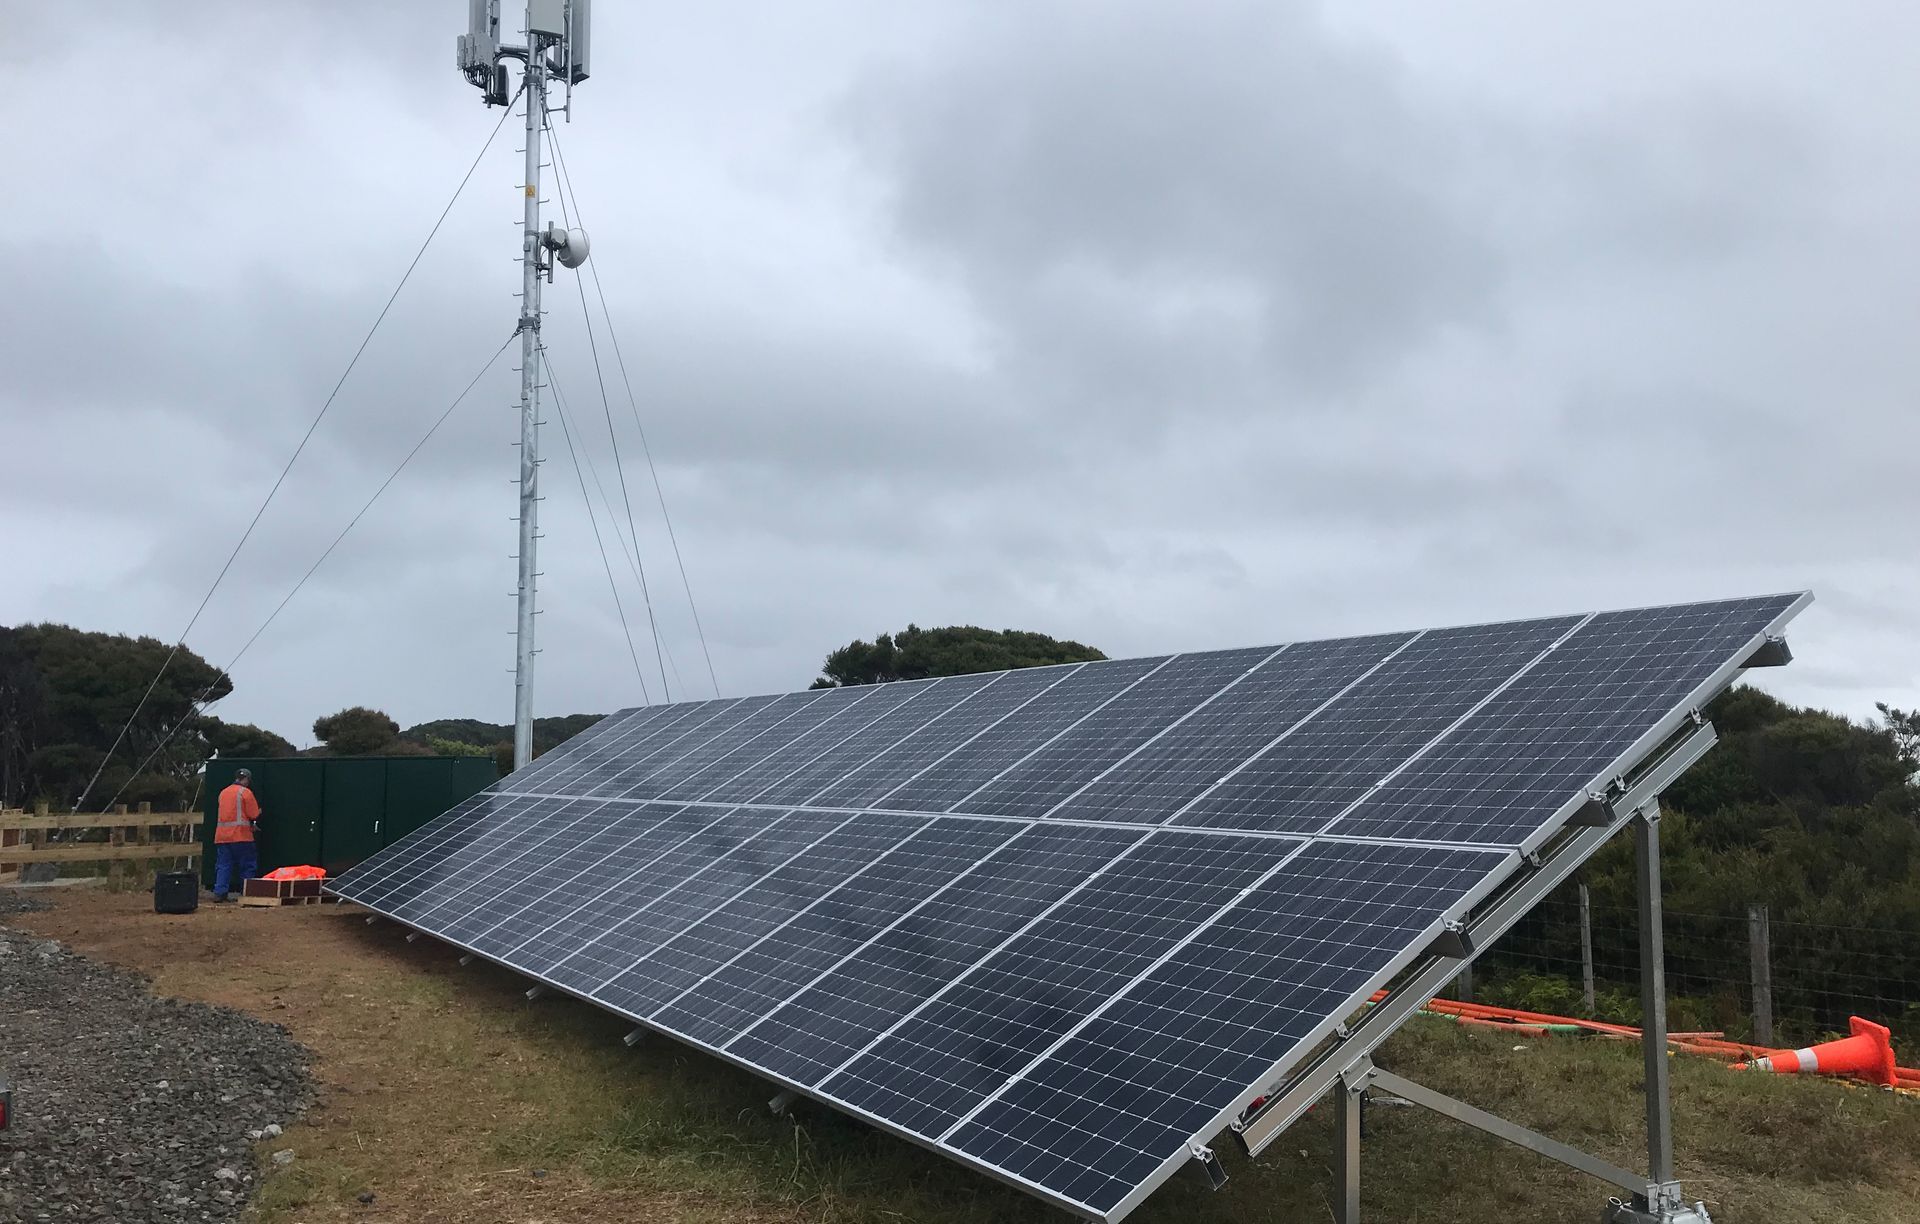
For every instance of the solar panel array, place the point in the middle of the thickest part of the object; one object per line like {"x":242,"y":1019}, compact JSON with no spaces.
{"x":1057,"y":923}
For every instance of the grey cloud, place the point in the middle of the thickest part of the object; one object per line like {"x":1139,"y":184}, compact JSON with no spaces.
{"x":1123,"y":155}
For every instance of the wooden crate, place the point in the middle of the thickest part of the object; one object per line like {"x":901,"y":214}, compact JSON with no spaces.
{"x":280,"y":892}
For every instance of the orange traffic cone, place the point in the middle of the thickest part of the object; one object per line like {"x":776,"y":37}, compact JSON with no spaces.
{"x":1867,"y":1054}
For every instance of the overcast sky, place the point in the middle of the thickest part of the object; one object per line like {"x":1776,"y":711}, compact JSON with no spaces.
{"x":1160,"y":326}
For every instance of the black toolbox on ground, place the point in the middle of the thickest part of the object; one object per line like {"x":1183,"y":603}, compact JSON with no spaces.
{"x":176,"y":892}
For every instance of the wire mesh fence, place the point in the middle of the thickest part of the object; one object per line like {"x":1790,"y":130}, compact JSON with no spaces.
{"x":1745,"y":973}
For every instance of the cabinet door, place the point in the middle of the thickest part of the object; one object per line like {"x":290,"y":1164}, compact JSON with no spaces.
{"x":419,"y":789}
{"x":356,"y":801}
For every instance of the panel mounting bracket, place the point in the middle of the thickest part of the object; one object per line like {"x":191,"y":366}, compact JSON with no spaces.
{"x":1668,"y":1208}
{"x":1452,"y":943}
{"x":1595,"y":813}
{"x":1209,"y":1164}
{"x":1774,"y":652}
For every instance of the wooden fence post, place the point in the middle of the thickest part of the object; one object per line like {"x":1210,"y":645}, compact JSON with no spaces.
{"x":1760,"y":955}
{"x":1586,"y":950}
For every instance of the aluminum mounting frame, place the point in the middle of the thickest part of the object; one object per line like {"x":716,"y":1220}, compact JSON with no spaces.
{"x":1345,"y":1065}
{"x":1532,"y":880}
{"x":1656,"y":1196}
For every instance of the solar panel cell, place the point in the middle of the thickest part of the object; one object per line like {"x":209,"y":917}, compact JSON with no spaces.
{"x":1001,"y":747}
{"x":459,"y":861}
{"x":858,"y":998}
{"x":655,"y":766}
{"x":780,"y":966}
{"x":575,"y":875}
{"x":631,"y":745}
{"x":591,"y":744}
{"x":1309,"y":774}
{"x":1516,"y":762}
{"x":1003,"y":698}
{"x":946,"y":1059}
{"x":805,"y":735}
{"x":770,"y":729}
{"x":876,"y":737}
{"x":684,"y":961}
{"x":1099,"y":1113}
{"x":1110,"y":733}
{"x":558,"y":830}
{"x":1190,"y":755}
{"x":666,"y":844}
{"x":654,"y":919}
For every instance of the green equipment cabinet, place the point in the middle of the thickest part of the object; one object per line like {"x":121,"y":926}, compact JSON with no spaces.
{"x":332,"y":812}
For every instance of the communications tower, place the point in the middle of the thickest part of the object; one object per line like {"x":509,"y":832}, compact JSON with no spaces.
{"x":554,"y":51}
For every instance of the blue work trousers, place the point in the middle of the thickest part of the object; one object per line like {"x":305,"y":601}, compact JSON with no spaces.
{"x":232,"y":863}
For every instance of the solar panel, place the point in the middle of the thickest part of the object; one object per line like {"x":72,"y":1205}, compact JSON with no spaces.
{"x":1059,"y":924}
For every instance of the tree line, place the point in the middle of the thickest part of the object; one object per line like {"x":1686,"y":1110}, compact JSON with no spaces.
{"x":957,"y":650}
{"x":66,"y":694}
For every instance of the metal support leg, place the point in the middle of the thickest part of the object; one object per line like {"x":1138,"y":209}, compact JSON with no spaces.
{"x":1662,"y":1203}
{"x":1346,"y":1145}
{"x":1586,"y":950}
{"x":1653,"y":995}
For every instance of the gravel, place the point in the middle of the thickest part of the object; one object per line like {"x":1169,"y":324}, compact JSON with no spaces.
{"x":128,"y":1107}
{"x":13,"y":901}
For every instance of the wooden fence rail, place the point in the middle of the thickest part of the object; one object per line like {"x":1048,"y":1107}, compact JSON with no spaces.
{"x":130,"y":836}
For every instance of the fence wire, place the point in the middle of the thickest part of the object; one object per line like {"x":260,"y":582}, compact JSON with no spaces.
{"x":1817,"y":975}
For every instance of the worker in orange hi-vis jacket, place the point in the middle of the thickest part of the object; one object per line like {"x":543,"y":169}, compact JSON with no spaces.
{"x":234,"y":859}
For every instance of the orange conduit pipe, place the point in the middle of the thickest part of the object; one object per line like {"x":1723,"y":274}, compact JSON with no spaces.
{"x":1540,"y":1024}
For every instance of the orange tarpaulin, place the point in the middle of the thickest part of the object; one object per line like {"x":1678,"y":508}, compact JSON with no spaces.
{"x":296,"y":873}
